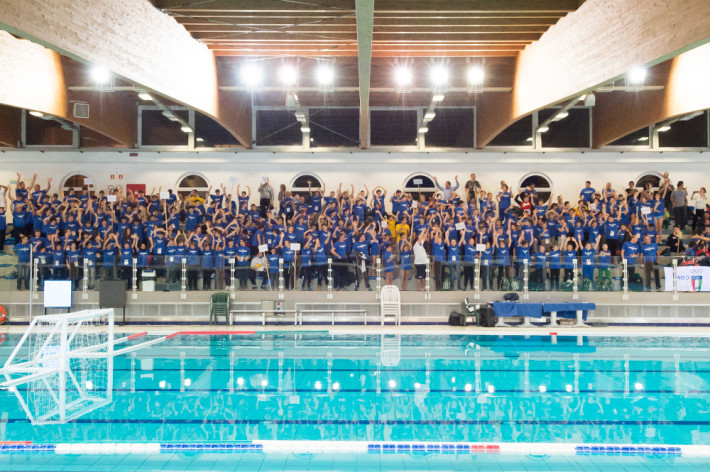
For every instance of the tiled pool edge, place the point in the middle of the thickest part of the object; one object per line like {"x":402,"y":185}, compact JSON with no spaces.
{"x":362,"y":447}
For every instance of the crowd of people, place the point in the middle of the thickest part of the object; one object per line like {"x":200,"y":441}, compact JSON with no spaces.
{"x":86,"y":236}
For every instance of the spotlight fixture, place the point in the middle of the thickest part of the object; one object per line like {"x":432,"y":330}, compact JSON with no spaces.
{"x":476,"y":75}
{"x":325,"y":75}
{"x":252,"y":75}
{"x":439,"y":75}
{"x":200,"y":140}
{"x":305,"y":129}
{"x":288,"y":75}
{"x":430,"y":115}
{"x":423,"y":129}
{"x":100,"y":75}
{"x":403,"y":76}
{"x":561,"y":116}
{"x":543,"y":129}
{"x":186,"y":129}
{"x":664,"y":128}
{"x":642,"y":139}
{"x":637,"y":76}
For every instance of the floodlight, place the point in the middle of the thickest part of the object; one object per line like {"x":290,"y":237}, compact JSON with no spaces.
{"x":251,"y":75}
{"x":543,"y":129}
{"x":325,"y":75}
{"x":438,"y":97}
{"x":439,"y":75}
{"x":288,"y":75}
{"x":186,"y":129}
{"x":476,"y":75}
{"x":100,"y":75}
{"x":423,"y":129}
{"x":664,"y":128}
{"x":403,"y":76}
{"x":637,"y":76}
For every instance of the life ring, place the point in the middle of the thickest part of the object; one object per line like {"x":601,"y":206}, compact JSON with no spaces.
{"x":3,"y":314}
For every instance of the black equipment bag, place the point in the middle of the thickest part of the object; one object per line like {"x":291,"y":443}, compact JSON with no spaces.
{"x":457,"y":319}
{"x":486,"y":317}
{"x":511,"y":297}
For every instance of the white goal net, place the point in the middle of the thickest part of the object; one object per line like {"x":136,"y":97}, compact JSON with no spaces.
{"x":62,"y":368}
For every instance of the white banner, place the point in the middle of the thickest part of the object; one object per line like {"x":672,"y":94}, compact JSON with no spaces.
{"x":690,"y":279}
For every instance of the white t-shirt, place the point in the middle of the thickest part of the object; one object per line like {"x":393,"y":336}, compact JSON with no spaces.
{"x":700,"y":203}
{"x":420,"y":255}
{"x":3,"y":193}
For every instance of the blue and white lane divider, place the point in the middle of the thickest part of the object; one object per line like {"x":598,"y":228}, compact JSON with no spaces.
{"x":363,"y":447}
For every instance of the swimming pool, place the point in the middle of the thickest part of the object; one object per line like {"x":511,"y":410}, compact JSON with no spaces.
{"x":389,"y":394}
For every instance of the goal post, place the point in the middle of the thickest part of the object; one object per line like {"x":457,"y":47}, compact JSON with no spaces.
{"x":63,"y":365}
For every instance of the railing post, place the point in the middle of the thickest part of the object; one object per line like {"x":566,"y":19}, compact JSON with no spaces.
{"x":231,"y":279}
{"x":84,"y":281}
{"x":378,"y":284}
{"x":134,"y":295}
{"x":427,"y":286}
{"x":477,"y":279}
{"x":329,"y":296}
{"x":625,"y":278}
{"x":35,"y":278}
{"x":183,"y":279}
{"x":526,"y":274}
{"x":575,"y":287}
{"x":281,"y":278}
{"x":675,"y":279}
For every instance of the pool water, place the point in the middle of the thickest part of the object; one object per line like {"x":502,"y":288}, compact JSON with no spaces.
{"x":315,"y":386}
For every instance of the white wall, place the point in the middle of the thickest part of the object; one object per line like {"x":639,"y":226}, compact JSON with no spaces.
{"x":568,"y":171}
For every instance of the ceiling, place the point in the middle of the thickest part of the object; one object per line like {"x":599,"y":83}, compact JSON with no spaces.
{"x":402,"y":28}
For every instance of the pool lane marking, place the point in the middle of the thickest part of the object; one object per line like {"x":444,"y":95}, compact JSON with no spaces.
{"x":215,"y":333}
{"x":137,"y":335}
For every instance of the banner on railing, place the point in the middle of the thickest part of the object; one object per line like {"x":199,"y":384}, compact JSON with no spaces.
{"x":690,"y":279}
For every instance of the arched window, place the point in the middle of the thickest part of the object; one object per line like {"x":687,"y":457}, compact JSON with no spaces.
{"x":78,"y":182}
{"x":653,"y":178}
{"x":190,"y":182}
{"x":299,"y":185}
{"x":420,"y":184}
{"x":543,"y":185}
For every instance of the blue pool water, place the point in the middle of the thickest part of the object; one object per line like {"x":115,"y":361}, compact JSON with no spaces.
{"x":317,"y":386}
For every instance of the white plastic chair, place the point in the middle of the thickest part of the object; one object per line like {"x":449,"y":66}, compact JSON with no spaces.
{"x":390,"y":304}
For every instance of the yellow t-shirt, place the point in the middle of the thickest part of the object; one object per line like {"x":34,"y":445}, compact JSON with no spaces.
{"x":399,"y":229}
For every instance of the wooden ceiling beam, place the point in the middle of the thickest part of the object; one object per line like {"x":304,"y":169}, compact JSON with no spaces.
{"x":685,"y":91}
{"x":131,"y":39}
{"x":595,"y":45}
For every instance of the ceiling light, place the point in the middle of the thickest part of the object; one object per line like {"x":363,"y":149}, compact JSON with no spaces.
{"x":438,"y":97}
{"x":423,"y":129}
{"x":476,"y":74}
{"x":562,"y":115}
{"x":145,"y":96}
{"x":530,"y":139}
{"x":403,"y":76}
{"x":186,"y":129}
{"x":325,"y":75}
{"x":200,"y":140}
{"x":543,"y":129}
{"x":637,"y":76}
{"x":643,"y":138}
{"x":305,"y":129}
{"x":439,"y":75}
{"x":429,"y":115}
{"x":288,"y":74}
{"x":664,"y":128}
{"x":251,"y":75}
{"x":100,"y":75}
{"x":38,"y":114}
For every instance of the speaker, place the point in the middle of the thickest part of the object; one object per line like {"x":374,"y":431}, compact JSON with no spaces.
{"x":112,"y":294}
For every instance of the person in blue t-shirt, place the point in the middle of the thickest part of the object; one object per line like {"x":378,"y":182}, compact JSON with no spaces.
{"x":22,"y":252}
{"x":629,"y":251}
{"x":649,"y":249}
{"x":587,"y":193}
{"x":555,"y":258}
{"x":405,"y":261}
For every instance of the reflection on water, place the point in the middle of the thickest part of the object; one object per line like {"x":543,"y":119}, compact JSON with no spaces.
{"x":426,"y":388}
